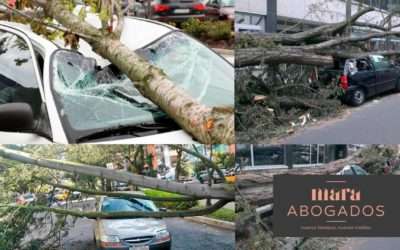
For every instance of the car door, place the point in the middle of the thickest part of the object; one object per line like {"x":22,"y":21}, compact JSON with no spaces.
{"x":385,"y":73}
{"x":364,"y":75}
{"x":20,"y":82}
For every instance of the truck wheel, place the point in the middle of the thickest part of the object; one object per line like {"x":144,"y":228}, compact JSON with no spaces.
{"x":357,"y":97}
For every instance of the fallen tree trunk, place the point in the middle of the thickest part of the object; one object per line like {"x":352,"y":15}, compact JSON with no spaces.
{"x":195,"y":190}
{"x":259,"y":56}
{"x":119,"y":194}
{"x":207,"y":124}
{"x":327,"y":30}
{"x":121,"y":215}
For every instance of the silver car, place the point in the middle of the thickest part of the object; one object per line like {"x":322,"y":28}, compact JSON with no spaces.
{"x":130,"y":234}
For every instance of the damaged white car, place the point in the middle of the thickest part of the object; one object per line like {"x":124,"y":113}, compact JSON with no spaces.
{"x":49,"y":94}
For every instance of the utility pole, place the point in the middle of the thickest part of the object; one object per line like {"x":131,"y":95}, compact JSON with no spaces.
{"x":348,"y":16}
{"x":272,"y":16}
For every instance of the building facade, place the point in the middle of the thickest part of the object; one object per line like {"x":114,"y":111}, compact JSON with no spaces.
{"x":265,"y":156}
{"x":299,"y":15}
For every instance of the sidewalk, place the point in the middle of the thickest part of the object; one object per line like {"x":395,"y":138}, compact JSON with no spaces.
{"x":213,"y":222}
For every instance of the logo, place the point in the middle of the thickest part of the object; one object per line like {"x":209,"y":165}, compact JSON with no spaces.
{"x":344,"y":194}
{"x":337,"y":206}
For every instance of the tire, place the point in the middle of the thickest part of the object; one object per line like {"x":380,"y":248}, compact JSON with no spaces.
{"x":357,"y":97}
{"x":397,"y":89}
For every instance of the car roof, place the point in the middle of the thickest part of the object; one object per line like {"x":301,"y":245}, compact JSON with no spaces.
{"x":139,"y":32}
{"x":35,"y":38}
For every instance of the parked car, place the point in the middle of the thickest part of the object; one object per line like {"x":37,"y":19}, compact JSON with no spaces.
{"x":352,"y":170}
{"x":176,"y":11}
{"x":26,"y":199}
{"x":127,"y":234}
{"x":368,"y":76}
{"x":220,"y":9}
{"x":48,"y":94}
{"x":121,"y":186}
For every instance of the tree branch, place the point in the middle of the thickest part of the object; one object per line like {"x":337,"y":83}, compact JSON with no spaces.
{"x":122,"y":215}
{"x":195,"y":190}
{"x":119,"y":194}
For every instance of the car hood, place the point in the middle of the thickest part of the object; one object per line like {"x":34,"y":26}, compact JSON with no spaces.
{"x":173,"y":137}
{"x":128,"y":228}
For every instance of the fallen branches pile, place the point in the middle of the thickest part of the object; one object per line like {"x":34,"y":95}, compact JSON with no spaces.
{"x":285,"y":81}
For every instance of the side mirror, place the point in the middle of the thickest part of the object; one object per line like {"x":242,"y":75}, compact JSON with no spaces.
{"x":16,"y":117}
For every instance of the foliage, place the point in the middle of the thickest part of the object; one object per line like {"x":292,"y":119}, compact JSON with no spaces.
{"x":378,"y":159}
{"x":208,"y":30}
{"x":225,"y":214}
{"x":169,"y":205}
{"x":269,"y":99}
{"x":13,"y":226}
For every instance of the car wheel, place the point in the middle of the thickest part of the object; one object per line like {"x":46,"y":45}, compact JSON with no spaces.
{"x":357,"y":97}
{"x":398,"y":86}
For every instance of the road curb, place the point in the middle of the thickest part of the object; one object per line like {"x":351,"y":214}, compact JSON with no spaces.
{"x":227,"y":52}
{"x":212,"y":222}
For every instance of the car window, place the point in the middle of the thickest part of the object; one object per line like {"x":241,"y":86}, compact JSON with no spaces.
{"x":380,"y":62}
{"x":227,"y":2}
{"x":359,"y":171}
{"x":90,"y":98}
{"x":203,"y":74}
{"x":347,"y":171}
{"x":17,"y":73}
{"x":111,"y":205}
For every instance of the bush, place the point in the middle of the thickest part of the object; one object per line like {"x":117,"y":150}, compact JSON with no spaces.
{"x":169,"y":205}
{"x":208,"y":30}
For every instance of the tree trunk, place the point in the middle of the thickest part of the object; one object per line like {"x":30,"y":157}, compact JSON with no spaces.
{"x":196,"y":190}
{"x":206,"y":124}
{"x":122,"y":215}
{"x":257,"y":56}
{"x":178,"y":166}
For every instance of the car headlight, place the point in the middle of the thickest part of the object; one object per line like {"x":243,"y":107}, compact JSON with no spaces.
{"x":110,"y":241}
{"x":162,"y":236}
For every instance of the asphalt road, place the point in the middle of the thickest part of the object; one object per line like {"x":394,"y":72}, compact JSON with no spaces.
{"x":185,"y":234}
{"x":377,"y":121}
{"x":372,"y":244}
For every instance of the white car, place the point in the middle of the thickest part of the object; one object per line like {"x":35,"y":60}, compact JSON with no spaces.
{"x":49,"y":94}
{"x":352,"y":170}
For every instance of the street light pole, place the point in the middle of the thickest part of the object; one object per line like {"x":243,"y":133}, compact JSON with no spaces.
{"x":272,"y":16}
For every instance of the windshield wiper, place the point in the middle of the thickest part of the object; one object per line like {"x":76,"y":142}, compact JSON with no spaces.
{"x":141,"y":204}
{"x":136,"y":130}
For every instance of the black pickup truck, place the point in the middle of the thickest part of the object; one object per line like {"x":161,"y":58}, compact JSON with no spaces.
{"x":368,"y":76}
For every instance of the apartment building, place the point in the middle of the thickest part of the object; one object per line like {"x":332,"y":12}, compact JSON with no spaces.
{"x":299,"y":15}
{"x":265,"y":156}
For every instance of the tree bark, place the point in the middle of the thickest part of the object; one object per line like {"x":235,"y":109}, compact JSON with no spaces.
{"x":195,"y":190}
{"x":259,"y":56}
{"x":301,"y":37}
{"x":206,"y":124}
{"x":122,"y":215}
{"x":119,"y":194}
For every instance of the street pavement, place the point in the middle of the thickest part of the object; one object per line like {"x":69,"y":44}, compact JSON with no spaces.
{"x":185,"y":234}
{"x":386,"y":243}
{"x":377,"y":121}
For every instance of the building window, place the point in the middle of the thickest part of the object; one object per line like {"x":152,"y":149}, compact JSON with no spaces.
{"x":243,"y":155}
{"x":268,"y":155}
{"x":308,"y":154}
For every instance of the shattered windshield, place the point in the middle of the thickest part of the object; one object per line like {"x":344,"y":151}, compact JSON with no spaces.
{"x":90,"y":98}
{"x":202,"y":73}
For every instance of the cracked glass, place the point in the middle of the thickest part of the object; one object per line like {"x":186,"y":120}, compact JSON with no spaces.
{"x":206,"y":76}
{"x":92,"y":98}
